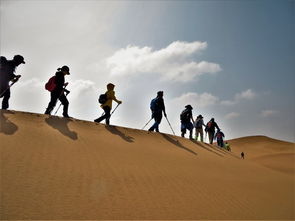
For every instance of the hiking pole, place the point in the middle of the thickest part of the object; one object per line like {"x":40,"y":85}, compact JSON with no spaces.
{"x":115,"y":108}
{"x":9,"y":86}
{"x":146,"y":123}
{"x":170,"y":125}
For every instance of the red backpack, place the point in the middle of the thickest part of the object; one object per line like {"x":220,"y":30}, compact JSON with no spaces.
{"x":50,"y":85}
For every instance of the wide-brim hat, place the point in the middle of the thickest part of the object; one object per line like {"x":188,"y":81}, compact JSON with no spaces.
{"x":189,"y":106}
{"x":19,"y":58}
{"x":200,"y":116}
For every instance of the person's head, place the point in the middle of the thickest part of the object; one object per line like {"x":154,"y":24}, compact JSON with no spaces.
{"x":200,"y":117}
{"x":189,"y":107}
{"x":65,"y":70}
{"x":3,"y":60}
{"x":212,"y":119}
{"x":18,"y":59}
{"x":110,"y":86}
{"x":160,"y":94}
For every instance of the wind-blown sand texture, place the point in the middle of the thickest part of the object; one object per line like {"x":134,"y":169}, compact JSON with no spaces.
{"x":56,"y":168}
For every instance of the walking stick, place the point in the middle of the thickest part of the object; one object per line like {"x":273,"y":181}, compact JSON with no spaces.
{"x":115,"y":108}
{"x":146,"y":123}
{"x":9,"y":86}
{"x":170,"y":125}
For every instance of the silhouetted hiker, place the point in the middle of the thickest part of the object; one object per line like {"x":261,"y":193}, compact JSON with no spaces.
{"x":57,"y":87}
{"x":227,"y":146}
{"x":185,"y":117}
{"x":107,"y":105}
{"x":157,"y":107}
{"x":210,"y":129}
{"x":219,"y":137}
{"x":242,"y":155}
{"x":7,"y":69}
{"x":199,"y":123}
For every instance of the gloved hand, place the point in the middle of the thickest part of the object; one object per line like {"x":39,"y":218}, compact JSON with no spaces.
{"x":67,"y":91}
{"x":165,"y":114}
{"x":119,"y":102}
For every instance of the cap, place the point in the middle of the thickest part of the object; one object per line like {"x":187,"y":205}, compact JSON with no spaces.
{"x":19,"y":59}
{"x":189,"y":106}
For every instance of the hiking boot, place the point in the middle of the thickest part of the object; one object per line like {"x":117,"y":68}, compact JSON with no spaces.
{"x":66,"y":116}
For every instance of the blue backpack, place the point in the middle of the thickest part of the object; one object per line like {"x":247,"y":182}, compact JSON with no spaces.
{"x":154,"y":104}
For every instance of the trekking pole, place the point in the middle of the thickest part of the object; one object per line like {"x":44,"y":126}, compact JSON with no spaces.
{"x":115,"y":108}
{"x":9,"y":86}
{"x":146,"y":123}
{"x":170,"y":125}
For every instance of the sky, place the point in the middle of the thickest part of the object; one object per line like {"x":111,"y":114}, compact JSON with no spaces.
{"x":231,"y":60}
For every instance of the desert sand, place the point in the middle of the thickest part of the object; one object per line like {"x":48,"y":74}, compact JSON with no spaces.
{"x":55,"y":168}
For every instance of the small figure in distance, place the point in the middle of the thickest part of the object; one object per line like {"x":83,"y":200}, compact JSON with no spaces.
{"x":243,"y":155}
{"x":186,"y":117}
{"x":58,"y":90}
{"x":107,"y":104}
{"x":7,"y":70}
{"x":157,"y":107}
{"x":219,"y":137}
{"x":210,"y":129}
{"x":199,"y":123}
{"x":227,"y":146}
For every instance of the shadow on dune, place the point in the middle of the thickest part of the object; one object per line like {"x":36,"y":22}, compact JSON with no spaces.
{"x":115,"y":131}
{"x":6,"y":126}
{"x":61,"y":124}
{"x":177,"y":143}
{"x":210,"y":149}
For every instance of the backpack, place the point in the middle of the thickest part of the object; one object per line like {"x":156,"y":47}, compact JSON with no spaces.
{"x":199,"y":123}
{"x":185,"y":116}
{"x":102,"y":99}
{"x":210,"y":125}
{"x":50,"y":85}
{"x":154,"y":104}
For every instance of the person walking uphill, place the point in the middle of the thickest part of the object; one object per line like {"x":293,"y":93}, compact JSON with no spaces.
{"x":57,"y":87}
{"x":157,"y":107}
{"x":107,"y":105}
{"x":7,"y":69}
{"x":210,"y":129}
{"x":199,"y":123}
{"x":185,"y":117}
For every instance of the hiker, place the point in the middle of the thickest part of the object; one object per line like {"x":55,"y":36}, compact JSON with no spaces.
{"x":219,"y":137}
{"x":199,"y":123}
{"x":185,"y":117}
{"x":157,"y":107}
{"x":107,"y":105}
{"x":210,"y":129}
{"x":58,"y":90}
{"x":243,"y":155}
{"x":7,"y":69}
{"x":227,"y":146}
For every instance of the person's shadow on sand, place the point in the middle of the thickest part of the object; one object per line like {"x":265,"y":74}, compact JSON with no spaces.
{"x":61,"y":124}
{"x":115,"y":131}
{"x":177,"y":143}
{"x":209,"y":148}
{"x":6,"y":126}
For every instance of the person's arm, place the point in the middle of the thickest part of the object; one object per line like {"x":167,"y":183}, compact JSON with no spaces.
{"x":113,"y":97}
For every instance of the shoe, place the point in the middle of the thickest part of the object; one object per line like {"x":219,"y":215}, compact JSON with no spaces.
{"x":66,"y":116}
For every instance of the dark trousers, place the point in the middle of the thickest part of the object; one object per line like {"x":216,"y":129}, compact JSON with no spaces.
{"x":5,"y":100}
{"x":211,"y":136}
{"x":54,"y":97}
{"x":220,"y":142}
{"x":158,"y":119}
{"x":106,"y":116}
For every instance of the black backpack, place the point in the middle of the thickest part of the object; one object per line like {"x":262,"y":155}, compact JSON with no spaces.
{"x":185,"y":115}
{"x":102,"y":98}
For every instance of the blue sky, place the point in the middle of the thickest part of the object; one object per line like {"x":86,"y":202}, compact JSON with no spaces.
{"x":232,"y":60}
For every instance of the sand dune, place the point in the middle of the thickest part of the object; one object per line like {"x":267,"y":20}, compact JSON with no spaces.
{"x":55,"y":168}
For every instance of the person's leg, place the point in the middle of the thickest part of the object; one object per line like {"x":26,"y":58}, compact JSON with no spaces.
{"x":201,"y":134}
{"x":52,"y":103}
{"x":158,"y":119}
{"x":63,"y":99}
{"x":211,"y":136}
{"x":107,"y":111}
{"x":6,"y":96}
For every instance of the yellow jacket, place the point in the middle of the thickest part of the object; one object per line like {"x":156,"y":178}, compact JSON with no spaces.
{"x":110,"y":97}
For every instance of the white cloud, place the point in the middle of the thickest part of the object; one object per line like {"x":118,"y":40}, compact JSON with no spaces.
{"x":268,"y":113}
{"x":196,"y":100}
{"x":248,"y":94}
{"x":172,"y":62}
{"x":232,"y":115}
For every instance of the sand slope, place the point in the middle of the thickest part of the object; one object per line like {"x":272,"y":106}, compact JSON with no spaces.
{"x":55,"y":168}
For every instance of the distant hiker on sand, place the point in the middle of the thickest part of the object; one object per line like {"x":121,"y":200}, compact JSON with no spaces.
{"x":199,"y":123}
{"x":57,"y":87}
{"x":227,"y":146}
{"x":243,"y":155}
{"x":157,"y":107}
{"x":106,"y":103}
{"x":210,"y":129}
{"x":7,"y":69}
{"x":186,"y":117}
{"x":219,"y":137}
